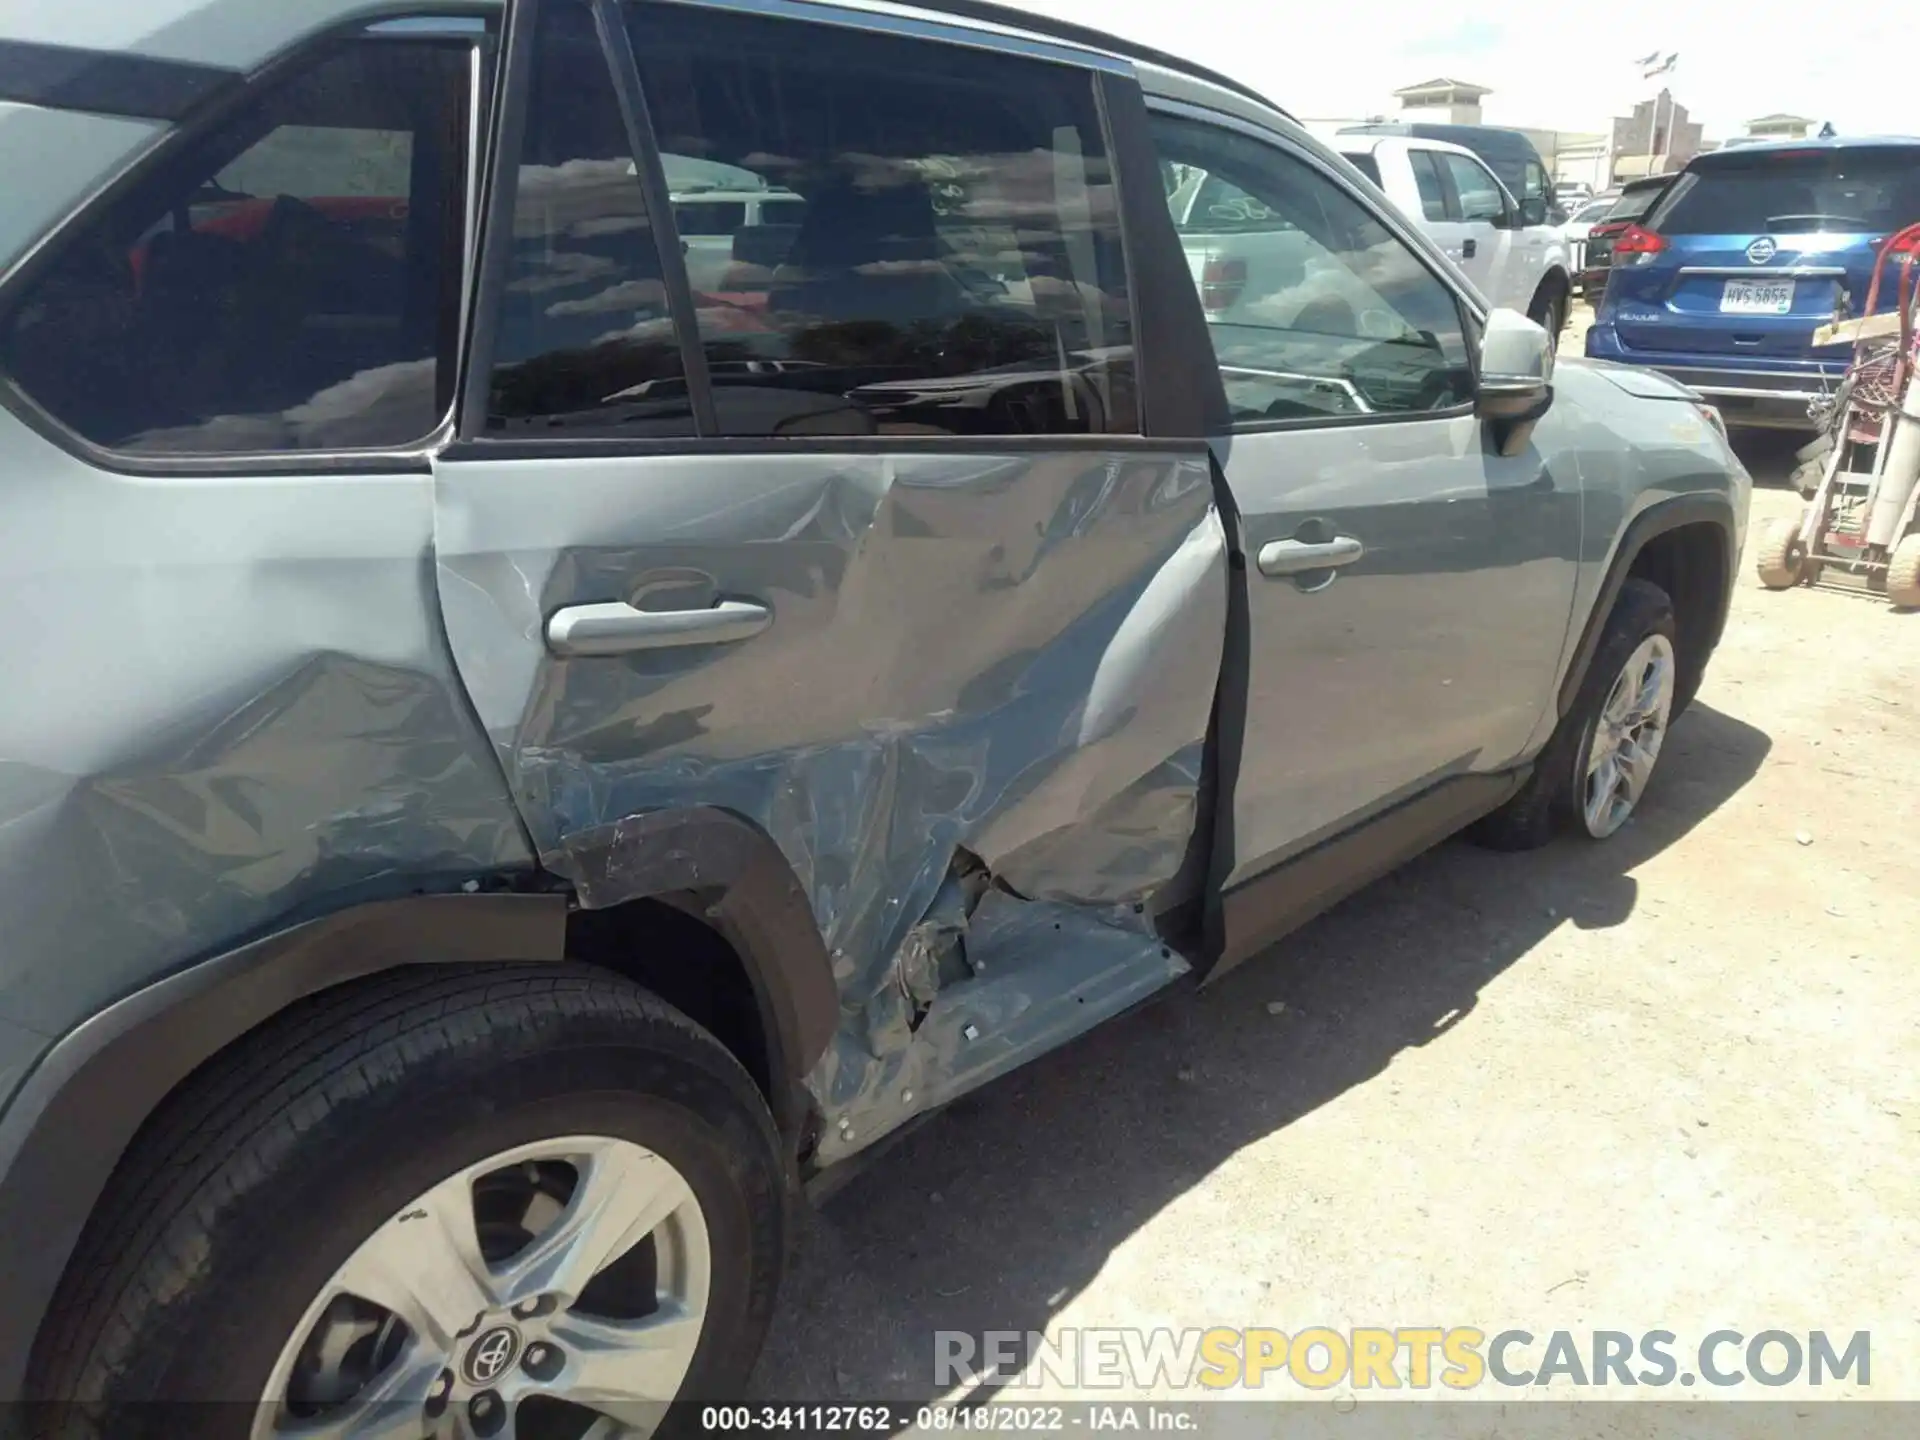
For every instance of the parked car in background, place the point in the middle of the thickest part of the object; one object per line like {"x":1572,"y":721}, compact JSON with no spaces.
{"x":1506,"y":247}
{"x":1636,"y":197}
{"x":1583,"y":216}
{"x":1724,"y":280}
{"x":1572,"y":193}
{"x":517,"y":764}
{"x":1508,"y":153}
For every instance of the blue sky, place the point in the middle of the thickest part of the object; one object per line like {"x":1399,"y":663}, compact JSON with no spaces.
{"x":1737,"y":60}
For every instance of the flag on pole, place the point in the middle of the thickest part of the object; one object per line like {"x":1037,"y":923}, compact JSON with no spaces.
{"x":1660,"y":69}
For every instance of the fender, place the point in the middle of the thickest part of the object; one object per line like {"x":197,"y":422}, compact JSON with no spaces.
{"x":76,"y":1113}
{"x":1656,"y":519}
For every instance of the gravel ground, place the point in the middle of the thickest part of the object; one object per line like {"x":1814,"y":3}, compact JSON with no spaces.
{"x":1668,"y":1082}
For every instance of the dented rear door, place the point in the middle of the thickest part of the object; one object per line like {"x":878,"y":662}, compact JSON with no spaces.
{"x":866,"y":546}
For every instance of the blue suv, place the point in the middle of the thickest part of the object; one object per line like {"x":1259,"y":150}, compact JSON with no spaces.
{"x":1723,"y":283}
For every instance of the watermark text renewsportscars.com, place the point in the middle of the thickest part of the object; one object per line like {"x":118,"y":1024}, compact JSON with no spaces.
{"x":1460,"y":1357}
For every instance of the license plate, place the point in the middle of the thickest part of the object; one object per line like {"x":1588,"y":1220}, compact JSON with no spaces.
{"x":1757,"y":297}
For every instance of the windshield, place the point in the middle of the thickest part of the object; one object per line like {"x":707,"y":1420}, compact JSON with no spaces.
{"x":1840,"y":190}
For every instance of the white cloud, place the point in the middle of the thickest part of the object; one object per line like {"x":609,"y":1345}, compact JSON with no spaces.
{"x":1555,"y":66}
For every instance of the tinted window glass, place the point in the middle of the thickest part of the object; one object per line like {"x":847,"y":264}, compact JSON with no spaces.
{"x":1324,"y":312}
{"x":1433,"y":189}
{"x":1855,"y":191}
{"x":1365,"y":164}
{"x":290,"y":281}
{"x":584,"y":339}
{"x":1479,"y":192}
{"x":1633,"y":204}
{"x":954,"y":265}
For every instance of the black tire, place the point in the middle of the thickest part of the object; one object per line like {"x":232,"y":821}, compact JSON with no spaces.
{"x":258,"y":1179}
{"x":1549,"y":308}
{"x":1551,"y":796}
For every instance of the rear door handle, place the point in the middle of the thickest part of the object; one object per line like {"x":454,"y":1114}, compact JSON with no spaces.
{"x":1290,"y":557}
{"x":616,"y":628}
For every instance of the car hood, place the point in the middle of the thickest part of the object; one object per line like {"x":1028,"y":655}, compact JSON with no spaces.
{"x":1646,"y":384}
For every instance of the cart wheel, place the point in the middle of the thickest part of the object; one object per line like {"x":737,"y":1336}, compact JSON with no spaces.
{"x":1903,"y":573}
{"x":1779,"y":559}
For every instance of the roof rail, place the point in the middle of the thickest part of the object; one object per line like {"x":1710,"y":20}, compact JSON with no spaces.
{"x":1089,"y":38}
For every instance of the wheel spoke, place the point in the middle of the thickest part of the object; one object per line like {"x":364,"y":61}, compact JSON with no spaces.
{"x":1619,"y":700}
{"x":1602,"y":783}
{"x":1636,"y":763}
{"x":425,"y":1265}
{"x":623,"y":1193}
{"x":628,"y":1369}
{"x":1652,"y":687}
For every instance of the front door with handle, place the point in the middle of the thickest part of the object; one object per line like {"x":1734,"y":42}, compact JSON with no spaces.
{"x":1485,"y":217}
{"x":1398,"y":566}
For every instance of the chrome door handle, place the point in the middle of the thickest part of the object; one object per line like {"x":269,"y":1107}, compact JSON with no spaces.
{"x":616,"y":628}
{"x":1290,"y":557}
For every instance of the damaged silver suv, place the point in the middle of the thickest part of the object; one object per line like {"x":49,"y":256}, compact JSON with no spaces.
{"x":521,"y":750}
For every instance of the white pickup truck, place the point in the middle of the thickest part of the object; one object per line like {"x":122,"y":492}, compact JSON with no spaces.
{"x":1507,"y":248}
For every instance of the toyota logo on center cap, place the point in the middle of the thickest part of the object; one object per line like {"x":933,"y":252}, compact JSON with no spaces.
{"x":491,"y":1354}
{"x":1762,"y":250}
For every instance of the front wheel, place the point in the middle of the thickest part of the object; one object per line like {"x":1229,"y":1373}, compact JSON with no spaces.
{"x":1549,"y":311}
{"x":478,"y":1203}
{"x":1594,"y":769}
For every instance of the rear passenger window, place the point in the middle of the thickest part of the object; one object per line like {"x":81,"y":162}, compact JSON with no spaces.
{"x":584,"y":339}
{"x":1433,"y":189}
{"x":1319,"y":311}
{"x":289,"y":281}
{"x":916,"y":238}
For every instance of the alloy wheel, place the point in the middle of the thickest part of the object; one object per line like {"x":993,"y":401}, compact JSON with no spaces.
{"x":563,"y":1283}
{"x":1627,"y":737}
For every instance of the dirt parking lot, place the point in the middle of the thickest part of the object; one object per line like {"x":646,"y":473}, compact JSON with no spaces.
{"x":1667,"y":1082}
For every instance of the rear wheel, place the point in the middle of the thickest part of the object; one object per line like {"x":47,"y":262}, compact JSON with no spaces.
{"x":1903,"y":573}
{"x":490,"y":1203}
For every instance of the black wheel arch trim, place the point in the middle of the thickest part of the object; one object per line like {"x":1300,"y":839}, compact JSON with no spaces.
{"x":72,"y":1118}
{"x":729,"y":873}
{"x":1656,"y":519}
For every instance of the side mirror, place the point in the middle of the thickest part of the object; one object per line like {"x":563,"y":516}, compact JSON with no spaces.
{"x":1516,"y":378}
{"x":1533,"y":211}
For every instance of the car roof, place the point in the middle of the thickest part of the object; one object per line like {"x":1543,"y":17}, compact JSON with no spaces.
{"x":244,"y":34}
{"x":1739,"y":154}
{"x":1501,"y":137}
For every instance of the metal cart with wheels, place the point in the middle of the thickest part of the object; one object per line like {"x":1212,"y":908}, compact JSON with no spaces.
{"x":1859,"y":520}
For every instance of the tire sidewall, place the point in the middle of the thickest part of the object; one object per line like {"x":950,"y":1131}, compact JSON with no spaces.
{"x":269,"y":1254}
